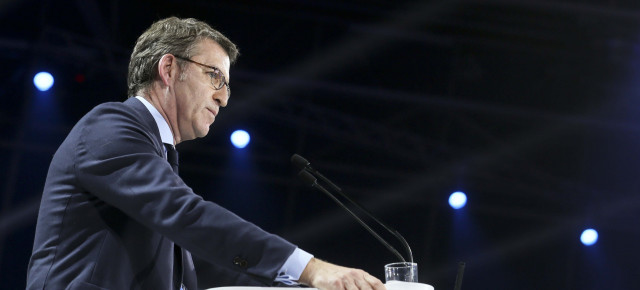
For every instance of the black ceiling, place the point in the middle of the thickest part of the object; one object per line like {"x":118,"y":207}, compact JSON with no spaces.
{"x":530,"y":107}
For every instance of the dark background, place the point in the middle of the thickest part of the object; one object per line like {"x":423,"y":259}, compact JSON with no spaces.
{"x":530,"y":107}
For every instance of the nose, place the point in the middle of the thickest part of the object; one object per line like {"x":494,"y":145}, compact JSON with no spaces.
{"x":221,"y":97}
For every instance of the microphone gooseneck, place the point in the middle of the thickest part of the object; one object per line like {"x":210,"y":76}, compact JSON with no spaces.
{"x":309,"y":179}
{"x":305,"y":166}
{"x":459,"y":275}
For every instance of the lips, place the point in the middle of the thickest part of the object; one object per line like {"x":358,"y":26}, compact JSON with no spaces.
{"x":214,"y":113}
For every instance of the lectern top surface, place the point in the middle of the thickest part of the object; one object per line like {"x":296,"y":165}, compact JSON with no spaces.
{"x":392,"y":285}
{"x":256,"y":288}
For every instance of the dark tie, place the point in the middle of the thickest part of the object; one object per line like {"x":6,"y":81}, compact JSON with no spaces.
{"x":172,"y":157}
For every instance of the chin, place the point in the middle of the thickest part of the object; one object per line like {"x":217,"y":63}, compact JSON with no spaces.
{"x":202,"y":133}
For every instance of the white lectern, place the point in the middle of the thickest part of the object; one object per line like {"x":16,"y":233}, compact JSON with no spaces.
{"x":393,"y":285}
{"x":254,"y":288}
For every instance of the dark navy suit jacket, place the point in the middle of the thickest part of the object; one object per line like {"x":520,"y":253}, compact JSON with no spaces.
{"x":112,"y":209}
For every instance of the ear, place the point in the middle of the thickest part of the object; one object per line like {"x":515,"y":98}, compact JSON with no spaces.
{"x":168,"y":69}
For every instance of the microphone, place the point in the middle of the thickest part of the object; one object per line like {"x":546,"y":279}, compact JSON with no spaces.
{"x":300,"y":163}
{"x":308,"y":178}
{"x":305,"y":166}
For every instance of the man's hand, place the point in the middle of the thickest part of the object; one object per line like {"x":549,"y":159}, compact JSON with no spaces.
{"x":326,"y":276}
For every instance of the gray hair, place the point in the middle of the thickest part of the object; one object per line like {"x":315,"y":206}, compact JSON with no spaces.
{"x":170,"y":35}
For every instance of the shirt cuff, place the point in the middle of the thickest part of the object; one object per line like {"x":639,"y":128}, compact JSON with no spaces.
{"x":290,"y":272}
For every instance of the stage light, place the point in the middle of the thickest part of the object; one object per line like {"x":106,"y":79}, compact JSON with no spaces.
{"x":589,"y":237}
{"x":457,"y":200}
{"x":240,"y":138}
{"x":43,"y":81}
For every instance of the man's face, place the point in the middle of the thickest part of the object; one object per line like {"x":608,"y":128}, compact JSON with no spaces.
{"x":197,"y":101}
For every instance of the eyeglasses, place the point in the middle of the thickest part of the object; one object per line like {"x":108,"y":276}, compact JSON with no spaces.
{"x":217,"y":77}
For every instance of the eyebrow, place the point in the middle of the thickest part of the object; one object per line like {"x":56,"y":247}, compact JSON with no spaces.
{"x":202,"y":64}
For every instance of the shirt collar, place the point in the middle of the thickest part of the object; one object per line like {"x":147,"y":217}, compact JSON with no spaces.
{"x":163,"y":126}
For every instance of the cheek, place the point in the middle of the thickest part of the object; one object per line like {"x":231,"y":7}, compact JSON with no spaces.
{"x":199,"y":105}
{"x":188,"y":108}
{"x":193,"y":103}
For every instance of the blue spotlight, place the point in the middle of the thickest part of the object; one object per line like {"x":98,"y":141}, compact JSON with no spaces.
{"x":43,"y":81}
{"x":457,"y":200}
{"x":240,"y":138}
{"x":589,"y":237}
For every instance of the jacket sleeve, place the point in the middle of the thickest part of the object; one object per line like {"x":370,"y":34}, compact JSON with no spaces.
{"x":117,"y":161}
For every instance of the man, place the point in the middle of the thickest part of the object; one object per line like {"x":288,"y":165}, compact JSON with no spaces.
{"x":115,"y":214}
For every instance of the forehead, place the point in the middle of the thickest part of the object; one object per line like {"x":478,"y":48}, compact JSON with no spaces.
{"x":211,"y":53}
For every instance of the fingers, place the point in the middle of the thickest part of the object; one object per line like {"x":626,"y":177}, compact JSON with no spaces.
{"x":363,"y":281}
{"x":375,"y":283}
{"x":362,"y":284}
{"x":350,"y":284}
{"x":369,"y":282}
{"x":358,"y":280}
{"x":326,"y":276}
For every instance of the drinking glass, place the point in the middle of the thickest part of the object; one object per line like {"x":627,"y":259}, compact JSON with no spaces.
{"x":401,"y":271}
